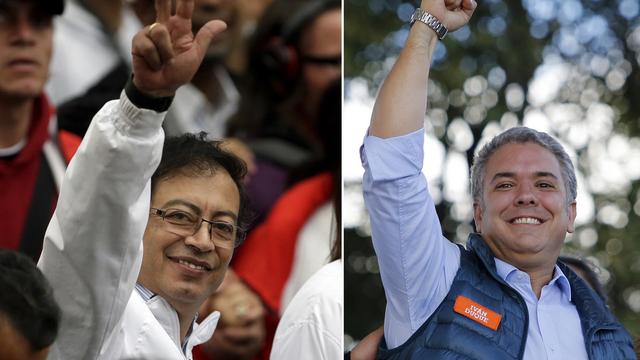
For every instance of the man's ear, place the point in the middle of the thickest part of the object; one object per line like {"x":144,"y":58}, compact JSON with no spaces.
{"x":571,"y":213}
{"x":477,"y":217}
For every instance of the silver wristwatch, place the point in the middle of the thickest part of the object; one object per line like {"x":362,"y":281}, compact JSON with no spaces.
{"x":431,"y":21}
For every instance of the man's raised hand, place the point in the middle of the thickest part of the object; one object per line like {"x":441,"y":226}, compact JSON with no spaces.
{"x":166,"y":54}
{"x":454,"y":14}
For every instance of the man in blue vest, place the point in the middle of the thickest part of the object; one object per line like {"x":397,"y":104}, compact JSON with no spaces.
{"x":505,"y":296}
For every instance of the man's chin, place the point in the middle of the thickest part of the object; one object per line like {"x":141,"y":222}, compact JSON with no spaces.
{"x":28,"y":91}
{"x":185,"y":293}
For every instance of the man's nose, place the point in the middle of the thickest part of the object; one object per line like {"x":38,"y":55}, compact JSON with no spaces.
{"x":526,"y":196}
{"x":22,"y":30}
{"x":201,"y":239}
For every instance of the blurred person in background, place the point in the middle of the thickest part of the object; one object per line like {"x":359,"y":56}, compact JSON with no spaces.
{"x":33,"y":153}
{"x":505,"y":296}
{"x":367,"y":348}
{"x":295,"y":55}
{"x":587,"y":272}
{"x":249,"y":13}
{"x":29,"y":315}
{"x":311,"y":325}
{"x":241,"y":331}
{"x":92,"y":42}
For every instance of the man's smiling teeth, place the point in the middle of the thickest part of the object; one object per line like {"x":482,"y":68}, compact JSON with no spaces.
{"x":193,"y":266}
{"x":527,"y":220}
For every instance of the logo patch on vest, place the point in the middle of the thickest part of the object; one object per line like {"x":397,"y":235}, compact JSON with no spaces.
{"x":476,"y":312}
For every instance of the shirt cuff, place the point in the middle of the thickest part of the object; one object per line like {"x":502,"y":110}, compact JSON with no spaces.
{"x":395,"y":157}
{"x":136,"y":121}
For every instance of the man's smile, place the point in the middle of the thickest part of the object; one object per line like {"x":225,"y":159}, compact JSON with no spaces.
{"x":525,"y":220}
{"x":191,"y":263}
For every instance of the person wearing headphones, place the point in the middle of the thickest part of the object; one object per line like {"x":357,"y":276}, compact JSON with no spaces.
{"x":295,"y":55}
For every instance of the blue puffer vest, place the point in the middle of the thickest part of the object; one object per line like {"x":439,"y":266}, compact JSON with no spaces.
{"x":449,"y":335}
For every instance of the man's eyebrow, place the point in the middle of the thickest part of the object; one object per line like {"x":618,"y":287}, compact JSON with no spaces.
{"x":198,"y":211}
{"x":191,"y":206}
{"x":230,"y":214}
{"x":540,"y":174}
{"x":511,"y":175}
{"x":504,"y":174}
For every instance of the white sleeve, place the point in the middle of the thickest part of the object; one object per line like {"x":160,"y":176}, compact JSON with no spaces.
{"x":311,"y":326}
{"x":93,"y":246}
{"x":307,"y":341}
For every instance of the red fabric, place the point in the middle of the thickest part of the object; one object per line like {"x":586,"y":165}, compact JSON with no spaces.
{"x":267,"y":255}
{"x":18,"y":175}
{"x":69,"y":144}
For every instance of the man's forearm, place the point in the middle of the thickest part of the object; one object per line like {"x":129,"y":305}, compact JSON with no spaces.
{"x":402,"y":100}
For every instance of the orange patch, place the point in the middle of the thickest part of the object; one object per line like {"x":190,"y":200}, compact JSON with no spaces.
{"x":476,"y":312}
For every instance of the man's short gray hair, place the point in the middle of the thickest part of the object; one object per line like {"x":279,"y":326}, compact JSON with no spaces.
{"x":523,"y":135}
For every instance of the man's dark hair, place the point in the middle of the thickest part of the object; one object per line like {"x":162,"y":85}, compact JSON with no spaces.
{"x":585,"y":270}
{"x":193,"y":155}
{"x":26,"y":300}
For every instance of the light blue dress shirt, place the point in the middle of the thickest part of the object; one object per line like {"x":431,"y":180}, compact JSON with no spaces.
{"x":418,"y":264}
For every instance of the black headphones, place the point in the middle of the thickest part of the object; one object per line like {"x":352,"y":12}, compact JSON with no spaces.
{"x":281,"y":57}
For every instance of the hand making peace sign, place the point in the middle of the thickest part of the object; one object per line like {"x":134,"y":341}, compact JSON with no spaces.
{"x":166,"y":54}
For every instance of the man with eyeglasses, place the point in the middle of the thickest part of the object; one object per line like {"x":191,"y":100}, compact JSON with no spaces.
{"x":120,"y":299}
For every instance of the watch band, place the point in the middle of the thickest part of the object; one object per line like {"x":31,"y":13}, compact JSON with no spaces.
{"x":431,"y":21}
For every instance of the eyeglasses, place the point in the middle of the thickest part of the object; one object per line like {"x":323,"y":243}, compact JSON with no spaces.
{"x":185,"y":223}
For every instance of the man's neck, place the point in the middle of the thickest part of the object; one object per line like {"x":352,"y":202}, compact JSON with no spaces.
{"x":15,"y":120}
{"x":540,"y":278}
{"x":186,"y":314}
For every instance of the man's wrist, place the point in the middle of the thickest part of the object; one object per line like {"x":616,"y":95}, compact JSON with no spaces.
{"x":420,"y":15}
{"x":144,"y":100}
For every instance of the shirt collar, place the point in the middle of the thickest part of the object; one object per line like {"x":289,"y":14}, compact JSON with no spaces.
{"x":145,"y":293}
{"x":168,"y":319}
{"x":507,"y":272}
